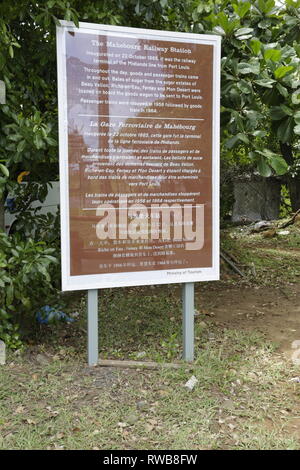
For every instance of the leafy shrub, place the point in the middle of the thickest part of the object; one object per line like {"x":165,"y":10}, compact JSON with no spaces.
{"x":285,"y":206}
{"x":29,"y":220}
{"x":26,"y":271}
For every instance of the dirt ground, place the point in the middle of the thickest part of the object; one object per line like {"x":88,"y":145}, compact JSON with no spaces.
{"x":272,"y":311}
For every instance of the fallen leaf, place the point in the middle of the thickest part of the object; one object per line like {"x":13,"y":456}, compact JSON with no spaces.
{"x":163,"y":392}
{"x":19,"y":409}
{"x":149,"y":427}
{"x":58,"y":447}
{"x":295,"y":380}
{"x":154,"y":422}
{"x":52,"y":413}
{"x":30,"y":421}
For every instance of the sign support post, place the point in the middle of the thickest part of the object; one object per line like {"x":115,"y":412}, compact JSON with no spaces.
{"x":188,"y":321}
{"x":139,"y":114}
{"x":92,"y":308}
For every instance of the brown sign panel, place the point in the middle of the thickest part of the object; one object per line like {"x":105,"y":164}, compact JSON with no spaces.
{"x":138,"y":151}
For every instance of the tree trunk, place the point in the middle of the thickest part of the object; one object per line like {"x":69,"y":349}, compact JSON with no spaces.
{"x":2,"y":222}
{"x":294,"y":190}
{"x":293,"y":184}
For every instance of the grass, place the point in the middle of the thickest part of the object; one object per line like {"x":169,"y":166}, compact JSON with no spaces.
{"x":239,"y":402}
{"x":274,"y":260}
{"x":50,"y":399}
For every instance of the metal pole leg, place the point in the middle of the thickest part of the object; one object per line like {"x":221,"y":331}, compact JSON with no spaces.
{"x":188,"y":321}
{"x":93,"y":327}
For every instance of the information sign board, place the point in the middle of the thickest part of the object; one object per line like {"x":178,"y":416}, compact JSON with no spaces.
{"x":139,"y":156}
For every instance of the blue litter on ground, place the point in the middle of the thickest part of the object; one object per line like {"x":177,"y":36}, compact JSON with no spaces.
{"x":49,"y":314}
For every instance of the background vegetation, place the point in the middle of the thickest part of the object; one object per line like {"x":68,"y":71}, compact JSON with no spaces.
{"x":260,"y":114}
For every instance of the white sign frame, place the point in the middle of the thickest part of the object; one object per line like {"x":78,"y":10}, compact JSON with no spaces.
{"x":136,"y":278}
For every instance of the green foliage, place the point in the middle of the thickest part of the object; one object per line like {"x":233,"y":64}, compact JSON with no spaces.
{"x":3,"y":179}
{"x":260,"y":79}
{"x":260,"y":69}
{"x":28,"y":129}
{"x":28,"y":136}
{"x":260,"y":93}
{"x":29,"y":220}
{"x":25,"y":282}
{"x":285,"y":206}
{"x":227,"y":195}
{"x":28,"y":141}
